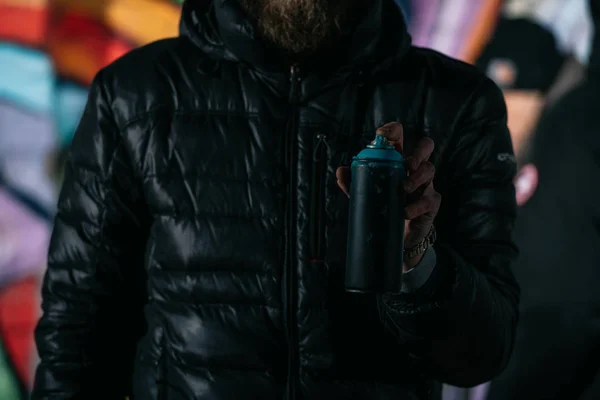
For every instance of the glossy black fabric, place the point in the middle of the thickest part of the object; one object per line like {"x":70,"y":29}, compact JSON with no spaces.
{"x":190,"y":195}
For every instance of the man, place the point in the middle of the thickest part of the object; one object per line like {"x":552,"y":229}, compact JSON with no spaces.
{"x":202,"y":188}
{"x":557,"y":345}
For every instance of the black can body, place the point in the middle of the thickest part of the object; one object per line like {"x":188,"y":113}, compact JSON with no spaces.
{"x":376,"y":227}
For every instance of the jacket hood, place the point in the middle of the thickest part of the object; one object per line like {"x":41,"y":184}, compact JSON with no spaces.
{"x":221,"y":29}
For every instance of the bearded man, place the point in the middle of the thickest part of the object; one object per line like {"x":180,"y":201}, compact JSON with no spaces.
{"x":199,"y":248}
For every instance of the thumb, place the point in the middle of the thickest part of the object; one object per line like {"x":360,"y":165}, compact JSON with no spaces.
{"x":394,"y":132}
{"x":343,"y":179}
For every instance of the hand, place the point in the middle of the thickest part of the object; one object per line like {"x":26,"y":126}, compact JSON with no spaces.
{"x":423,"y":202}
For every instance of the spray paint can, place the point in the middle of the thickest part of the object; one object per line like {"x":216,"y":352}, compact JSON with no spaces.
{"x":376,"y":222}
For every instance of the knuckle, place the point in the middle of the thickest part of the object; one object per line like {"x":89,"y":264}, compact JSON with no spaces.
{"x":429,"y":168}
{"x":391,"y":130}
{"x":414,"y":180}
{"x":435,"y":202}
{"x":383,"y":130}
{"x":420,"y":171}
{"x":430,"y":189}
{"x":427,"y":142}
{"x":429,"y":204}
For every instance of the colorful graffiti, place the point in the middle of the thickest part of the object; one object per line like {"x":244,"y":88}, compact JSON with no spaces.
{"x":49,"y":54}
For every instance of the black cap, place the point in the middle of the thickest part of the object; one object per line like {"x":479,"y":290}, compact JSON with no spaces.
{"x":521,"y":55}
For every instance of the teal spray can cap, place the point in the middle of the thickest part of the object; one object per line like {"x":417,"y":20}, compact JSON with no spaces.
{"x":379,"y":149}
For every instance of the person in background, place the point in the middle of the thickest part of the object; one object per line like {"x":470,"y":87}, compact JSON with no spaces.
{"x":538,"y":51}
{"x":557,"y":351}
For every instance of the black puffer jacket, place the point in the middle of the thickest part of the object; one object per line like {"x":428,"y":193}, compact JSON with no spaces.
{"x":199,"y":248}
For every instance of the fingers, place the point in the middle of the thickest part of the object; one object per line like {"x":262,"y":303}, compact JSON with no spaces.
{"x":394,"y":133}
{"x":421,"y":154}
{"x":428,"y":204}
{"x":422,"y":176}
{"x":342,"y":175}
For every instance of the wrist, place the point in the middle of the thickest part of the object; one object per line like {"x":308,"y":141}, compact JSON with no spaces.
{"x":414,"y":254}
{"x":414,"y":278}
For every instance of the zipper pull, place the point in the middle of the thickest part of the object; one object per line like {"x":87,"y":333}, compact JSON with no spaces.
{"x":321,"y":141}
{"x":295,"y":73}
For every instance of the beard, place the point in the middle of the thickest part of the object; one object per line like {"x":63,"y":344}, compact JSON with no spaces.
{"x":299,"y":26}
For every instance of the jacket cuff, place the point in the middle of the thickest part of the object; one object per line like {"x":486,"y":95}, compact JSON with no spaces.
{"x":416,"y":277}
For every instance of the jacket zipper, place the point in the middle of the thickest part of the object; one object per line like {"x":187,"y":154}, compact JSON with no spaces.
{"x":317,"y":204}
{"x":290,"y":278}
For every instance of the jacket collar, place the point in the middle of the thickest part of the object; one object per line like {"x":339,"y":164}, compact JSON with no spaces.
{"x":222,"y":31}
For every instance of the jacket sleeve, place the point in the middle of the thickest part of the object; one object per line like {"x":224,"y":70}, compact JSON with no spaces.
{"x":92,"y":295}
{"x":460,"y":325}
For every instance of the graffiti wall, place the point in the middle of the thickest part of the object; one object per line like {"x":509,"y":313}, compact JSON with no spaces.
{"x":49,"y":53}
